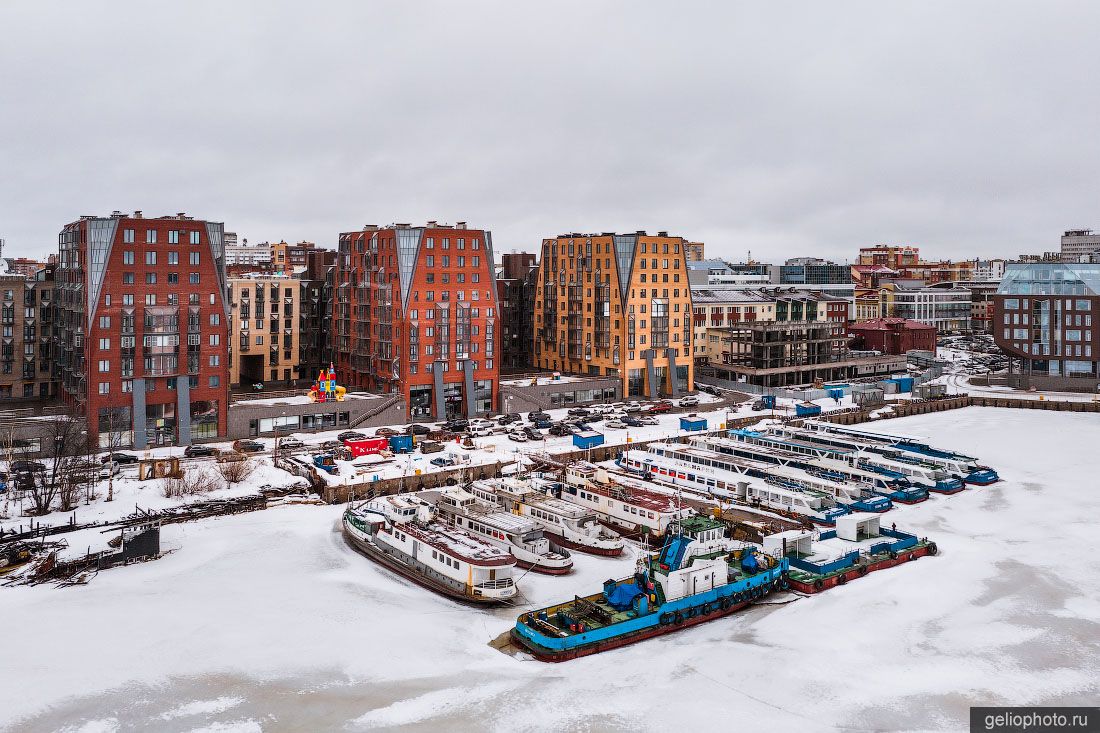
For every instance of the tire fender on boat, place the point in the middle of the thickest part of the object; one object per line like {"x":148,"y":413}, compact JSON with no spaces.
{"x":932,"y":549}
{"x":784,"y":584}
{"x":665,"y":619}
{"x":863,"y":570}
{"x":893,"y":555}
{"x":819,"y":584}
{"x":842,"y":579}
{"x":678,"y":618}
{"x":738,"y":597}
{"x":725,"y":603}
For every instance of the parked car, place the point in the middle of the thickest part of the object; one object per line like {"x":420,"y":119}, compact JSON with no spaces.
{"x":247,"y":446}
{"x":632,"y":422}
{"x":659,"y":407}
{"x":478,"y":431}
{"x":533,"y":434}
{"x":633,"y":407}
{"x":511,"y":417}
{"x":386,"y":432}
{"x":351,"y":435}
{"x":601,"y":409}
{"x":517,"y":435}
{"x":538,"y":415}
{"x":416,"y":429}
{"x":582,"y":426}
{"x":543,"y":424}
{"x":430,"y":446}
{"x":560,"y":429}
{"x":456,"y":426}
{"x":191,"y":451}
{"x":478,"y":422}
{"x":332,"y":444}
{"x":615,"y":424}
{"x":109,"y":469}
{"x":27,"y":466}
{"x":689,"y":401}
{"x":290,"y":443}
{"x":579,"y":411}
{"x":125,"y":458}
{"x":647,"y":420}
{"x":444,"y":460}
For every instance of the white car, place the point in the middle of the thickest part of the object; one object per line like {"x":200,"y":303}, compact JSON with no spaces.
{"x":517,"y":436}
{"x":481,"y":423}
{"x":614,"y":423}
{"x":109,"y":469}
{"x":633,"y":406}
{"x":689,"y":401}
{"x":602,"y":409}
{"x":647,"y":420}
{"x":479,"y":431}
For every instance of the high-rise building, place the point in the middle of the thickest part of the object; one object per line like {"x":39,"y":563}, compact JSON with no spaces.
{"x":415,"y":313}
{"x":1048,"y":316}
{"x":141,"y":334}
{"x":264,"y":328}
{"x":616,"y":304}
{"x":1078,"y":245}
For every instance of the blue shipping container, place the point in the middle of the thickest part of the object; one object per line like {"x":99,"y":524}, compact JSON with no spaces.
{"x":693,"y":424}
{"x":587,"y":439}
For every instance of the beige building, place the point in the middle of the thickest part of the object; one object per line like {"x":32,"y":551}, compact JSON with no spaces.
{"x":616,"y":305}
{"x":693,"y":251}
{"x":264,"y":328}
{"x":25,"y":359}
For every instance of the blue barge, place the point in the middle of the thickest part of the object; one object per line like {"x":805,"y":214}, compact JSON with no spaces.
{"x":699,"y":575}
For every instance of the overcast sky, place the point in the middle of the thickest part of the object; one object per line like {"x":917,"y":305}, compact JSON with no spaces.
{"x":781,"y":128}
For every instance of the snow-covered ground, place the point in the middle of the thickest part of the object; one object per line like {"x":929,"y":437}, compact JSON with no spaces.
{"x":268,"y":621}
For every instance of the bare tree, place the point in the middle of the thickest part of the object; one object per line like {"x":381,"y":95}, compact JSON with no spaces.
{"x":64,"y":444}
{"x":117,"y":422}
{"x":236,"y":470}
{"x":193,"y":481}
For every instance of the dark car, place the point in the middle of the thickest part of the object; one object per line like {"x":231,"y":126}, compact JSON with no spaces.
{"x":543,"y":424}
{"x":332,"y":444}
{"x":533,"y":434}
{"x":579,"y":412}
{"x":430,"y":446}
{"x":27,"y":466}
{"x":416,"y":429}
{"x":191,"y":451}
{"x":456,"y":426}
{"x":248,"y":446}
{"x":351,"y":435}
{"x":538,"y":415}
{"x":632,"y":422}
{"x":386,"y":432}
{"x":123,"y":458}
{"x":560,"y":430}
{"x":581,"y":426}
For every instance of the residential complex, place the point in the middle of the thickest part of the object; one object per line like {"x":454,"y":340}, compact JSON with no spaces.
{"x":141,"y":327}
{"x":264,"y":324}
{"x":415,"y":314}
{"x":616,"y":305}
{"x":516,"y":287}
{"x":893,"y":335}
{"x":948,"y":309}
{"x":26,"y":320}
{"x":1044,"y":314}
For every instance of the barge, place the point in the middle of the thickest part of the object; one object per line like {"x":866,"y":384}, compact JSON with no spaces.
{"x":698,"y":576}
{"x":631,"y":510}
{"x":402,"y":535}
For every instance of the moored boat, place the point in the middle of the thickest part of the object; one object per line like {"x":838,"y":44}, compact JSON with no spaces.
{"x":521,"y":536}
{"x":564,"y":523}
{"x":699,"y":575}
{"x":401,"y":534}
{"x":620,"y":503}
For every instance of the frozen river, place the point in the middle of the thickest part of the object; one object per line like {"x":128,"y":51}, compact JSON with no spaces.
{"x":269,"y":622}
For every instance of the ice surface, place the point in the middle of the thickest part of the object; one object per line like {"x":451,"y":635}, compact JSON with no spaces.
{"x":273,"y":608}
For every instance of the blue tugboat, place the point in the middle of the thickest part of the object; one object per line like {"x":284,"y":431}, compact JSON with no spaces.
{"x":698,"y":575}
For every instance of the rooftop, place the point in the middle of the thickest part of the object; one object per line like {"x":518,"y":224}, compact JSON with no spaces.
{"x":890,"y":324}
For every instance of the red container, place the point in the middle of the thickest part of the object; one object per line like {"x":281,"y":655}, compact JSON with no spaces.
{"x":367,"y":446}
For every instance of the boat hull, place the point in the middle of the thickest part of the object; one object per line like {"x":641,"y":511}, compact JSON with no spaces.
{"x":372,"y":552}
{"x":823,"y":584}
{"x":558,"y":539}
{"x":545,"y":569}
{"x":550,"y":655}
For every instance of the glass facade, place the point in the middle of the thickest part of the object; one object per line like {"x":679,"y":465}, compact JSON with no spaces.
{"x":1051,"y":278}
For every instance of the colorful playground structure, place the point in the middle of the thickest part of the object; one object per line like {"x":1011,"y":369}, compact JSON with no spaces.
{"x":326,"y":389}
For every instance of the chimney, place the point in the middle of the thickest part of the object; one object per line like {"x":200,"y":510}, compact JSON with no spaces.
{"x":460,"y":225}
{"x":137,"y":214}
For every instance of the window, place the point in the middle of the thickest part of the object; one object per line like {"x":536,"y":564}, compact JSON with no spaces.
{"x":150,"y":299}
{"x":150,"y":278}
{"x":194,"y":237}
{"x":127,"y":385}
{"x":151,"y":236}
{"x":430,"y":261}
{"x":215,"y":360}
{"x":173,"y":237}
{"x":215,"y":319}
{"x":104,"y":387}
{"x":104,"y":365}
{"x":215,"y":339}
{"x":104,"y":344}
{"x":127,"y":278}
{"x":193,"y":278}
{"x":128,"y":257}
{"x":173,"y":258}
{"x":173,"y":278}
{"x":128,"y":236}
{"x":104,"y":321}
{"x":215,"y":381}
{"x":193,"y":257}
{"x":150,"y":257}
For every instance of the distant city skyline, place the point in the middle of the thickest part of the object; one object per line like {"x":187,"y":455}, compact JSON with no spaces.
{"x":961,"y":128}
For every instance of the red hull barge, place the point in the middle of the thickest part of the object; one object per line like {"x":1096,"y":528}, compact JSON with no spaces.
{"x":823,"y":584}
{"x":557,"y":539}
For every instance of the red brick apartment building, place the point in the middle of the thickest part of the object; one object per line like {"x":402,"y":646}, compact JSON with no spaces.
{"x":415,"y":312}
{"x":142,"y":338}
